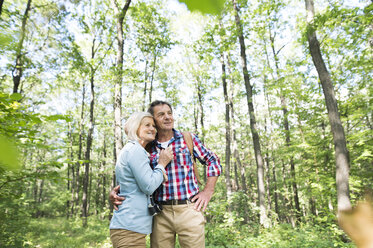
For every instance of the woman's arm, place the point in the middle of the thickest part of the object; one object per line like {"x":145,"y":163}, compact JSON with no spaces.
{"x":148,"y":179}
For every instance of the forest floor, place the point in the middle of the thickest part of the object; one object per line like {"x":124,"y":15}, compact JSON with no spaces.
{"x":69,"y":233}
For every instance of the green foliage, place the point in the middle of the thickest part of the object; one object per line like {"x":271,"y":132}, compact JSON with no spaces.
{"x":206,"y":6}
{"x":281,"y":236}
{"x":14,"y":215}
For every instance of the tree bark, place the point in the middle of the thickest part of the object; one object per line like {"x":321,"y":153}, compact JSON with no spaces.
{"x":120,"y":15}
{"x":78,"y":163}
{"x":286,"y":127}
{"x":18,"y":68}
{"x":227,"y":134}
{"x":201,"y":118}
{"x":152,"y":78}
{"x":145,"y":85}
{"x":249,"y":93}
{"x":87,"y":156}
{"x":237,"y":163}
{"x":341,"y":152}
{"x":268,"y":156}
{"x":103,"y":202}
{"x":1,"y":6}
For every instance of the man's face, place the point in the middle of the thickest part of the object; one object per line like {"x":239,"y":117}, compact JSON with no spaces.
{"x":163,"y":117}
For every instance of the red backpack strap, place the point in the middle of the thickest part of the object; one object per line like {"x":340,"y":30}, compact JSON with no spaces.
{"x":189,"y":142}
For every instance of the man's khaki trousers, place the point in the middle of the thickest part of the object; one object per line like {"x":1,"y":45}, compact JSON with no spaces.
{"x":183,"y":220}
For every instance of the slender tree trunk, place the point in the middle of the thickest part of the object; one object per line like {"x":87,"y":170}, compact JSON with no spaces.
{"x":341,"y":152}
{"x":72,"y":167}
{"x":227,"y":134}
{"x":89,"y":197}
{"x":289,"y":215}
{"x":235,"y":152}
{"x":41,"y":187}
{"x":274,"y":178}
{"x":249,"y":93}
{"x":152,"y":79}
{"x":268,"y":178}
{"x":201,"y":118}
{"x":1,"y":6}
{"x":145,"y":85}
{"x":201,"y":111}
{"x":120,"y":15}
{"x":35,"y":196}
{"x":118,"y":142}
{"x":275,"y":188}
{"x":286,"y":127}
{"x":18,"y":68}
{"x":103,"y":202}
{"x":87,"y":157}
{"x":195,"y":117}
{"x":78,"y":164}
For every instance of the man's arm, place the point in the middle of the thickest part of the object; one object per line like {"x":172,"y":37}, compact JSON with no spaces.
{"x":114,"y":198}
{"x":211,"y":160}
{"x":204,"y":197}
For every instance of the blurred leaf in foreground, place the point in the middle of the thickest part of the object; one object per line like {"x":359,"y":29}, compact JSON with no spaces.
{"x":8,"y":155}
{"x":358,"y":224}
{"x":213,"y":7}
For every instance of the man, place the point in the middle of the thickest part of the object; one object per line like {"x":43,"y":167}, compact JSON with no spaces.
{"x":180,"y":196}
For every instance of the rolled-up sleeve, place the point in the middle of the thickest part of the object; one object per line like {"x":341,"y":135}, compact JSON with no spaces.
{"x":206,"y":157}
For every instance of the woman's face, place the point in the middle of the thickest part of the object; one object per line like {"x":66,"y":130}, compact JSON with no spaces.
{"x":147,"y":131}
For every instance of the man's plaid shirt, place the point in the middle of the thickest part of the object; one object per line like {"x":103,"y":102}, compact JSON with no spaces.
{"x":182,"y":182}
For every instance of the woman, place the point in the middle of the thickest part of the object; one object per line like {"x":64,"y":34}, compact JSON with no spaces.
{"x":132,"y":221}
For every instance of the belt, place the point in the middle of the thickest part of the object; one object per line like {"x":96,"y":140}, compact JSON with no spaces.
{"x":174,"y":202}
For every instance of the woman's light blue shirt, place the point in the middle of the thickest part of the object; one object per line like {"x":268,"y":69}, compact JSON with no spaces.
{"x":136,"y":180}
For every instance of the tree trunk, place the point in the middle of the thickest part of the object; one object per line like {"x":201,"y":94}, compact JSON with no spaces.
{"x":201,"y":119}
{"x":268,"y":178}
{"x":289,"y":215}
{"x":152,"y":79}
{"x":87,"y":157}
{"x":286,"y":127}
{"x":195,"y":117}
{"x":227,"y":135}
{"x":71,"y":185}
{"x":235,"y":152}
{"x":103,"y":202}
{"x":341,"y":152}
{"x":18,"y":68}
{"x":78,"y":163}
{"x":1,"y":6}
{"x":120,"y":14}
{"x":145,"y":85}
{"x":258,"y":154}
{"x":41,"y":186}
{"x":274,"y":179}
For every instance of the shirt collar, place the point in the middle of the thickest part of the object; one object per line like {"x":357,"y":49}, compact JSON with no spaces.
{"x":177,"y":135}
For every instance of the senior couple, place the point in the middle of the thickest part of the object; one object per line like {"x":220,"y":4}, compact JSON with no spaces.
{"x":157,"y":160}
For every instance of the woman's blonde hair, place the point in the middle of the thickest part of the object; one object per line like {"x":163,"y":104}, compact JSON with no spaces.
{"x":133,"y":123}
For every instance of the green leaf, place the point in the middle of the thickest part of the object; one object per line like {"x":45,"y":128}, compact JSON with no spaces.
{"x":213,"y":7}
{"x":16,"y":96}
{"x":8,"y":155}
{"x":58,"y":117}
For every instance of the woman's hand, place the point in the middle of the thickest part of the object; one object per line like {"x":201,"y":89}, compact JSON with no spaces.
{"x":165,"y":156}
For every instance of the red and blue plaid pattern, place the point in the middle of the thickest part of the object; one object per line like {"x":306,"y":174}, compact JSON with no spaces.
{"x":182,"y":182}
